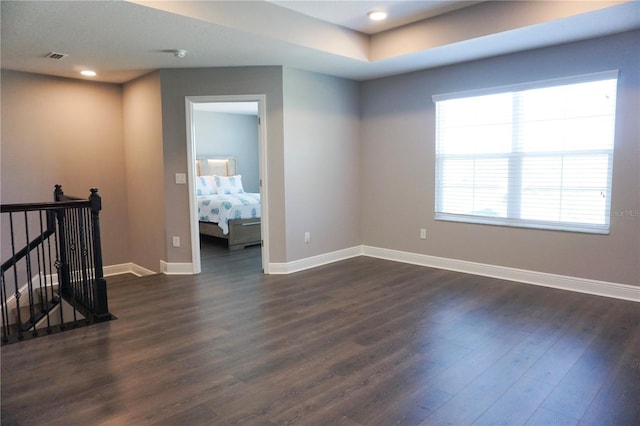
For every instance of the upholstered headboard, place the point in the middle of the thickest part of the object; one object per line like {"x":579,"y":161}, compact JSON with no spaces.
{"x":221,"y":166}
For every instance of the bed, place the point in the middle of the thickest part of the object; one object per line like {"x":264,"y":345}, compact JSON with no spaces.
{"x":224,"y":209}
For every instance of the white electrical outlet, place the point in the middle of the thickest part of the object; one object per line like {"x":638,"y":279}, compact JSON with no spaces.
{"x":176,"y":241}
{"x":307,"y":237}
{"x":423,"y":234}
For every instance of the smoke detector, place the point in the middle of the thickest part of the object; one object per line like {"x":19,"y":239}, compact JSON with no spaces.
{"x":179,"y":53}
{"x":56,"y":55}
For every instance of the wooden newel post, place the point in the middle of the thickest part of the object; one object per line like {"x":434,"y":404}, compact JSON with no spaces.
{"x":100,"y":289}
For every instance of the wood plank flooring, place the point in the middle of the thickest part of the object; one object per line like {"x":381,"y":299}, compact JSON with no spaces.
{"x":359,"y":342}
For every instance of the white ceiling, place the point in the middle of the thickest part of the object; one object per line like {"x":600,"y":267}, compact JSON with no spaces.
{"x":353,"y":14}
{"x":122,"y":40}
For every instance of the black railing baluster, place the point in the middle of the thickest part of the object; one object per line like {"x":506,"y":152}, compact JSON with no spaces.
{"x":58,"y":264}
{"x":82,"y":254}
{"x":16,"y":294}
{"x":80,"y":283}
{"x":5,"y":310}
{"x":40,"y":248}
{"x":42,"y":282}
{"x":64,"y":278}
{"x":80,"y":293}
{"x":32,"y":314}
{"x":90,"y":259}
{"x":73,"y":262}
{"x":51,"y":226}
{"x":51,"y":297}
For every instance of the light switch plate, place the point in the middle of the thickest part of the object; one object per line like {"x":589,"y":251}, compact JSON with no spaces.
{"x":181,"y":178}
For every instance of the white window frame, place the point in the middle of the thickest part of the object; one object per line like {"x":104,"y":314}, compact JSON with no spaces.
{"x":515,"y":161}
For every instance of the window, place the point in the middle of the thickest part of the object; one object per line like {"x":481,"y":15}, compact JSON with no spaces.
{"x":536,"y":155}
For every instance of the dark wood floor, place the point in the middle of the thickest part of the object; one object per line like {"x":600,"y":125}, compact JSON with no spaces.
{"x":359,"y":342}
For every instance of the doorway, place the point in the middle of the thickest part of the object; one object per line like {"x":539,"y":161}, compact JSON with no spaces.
{"x":240,"y":104}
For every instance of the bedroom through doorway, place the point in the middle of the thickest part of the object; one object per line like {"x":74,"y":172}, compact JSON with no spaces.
{"x":226,"y":183}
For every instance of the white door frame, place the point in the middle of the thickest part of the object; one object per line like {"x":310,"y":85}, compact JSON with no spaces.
{"x":191,"y":170}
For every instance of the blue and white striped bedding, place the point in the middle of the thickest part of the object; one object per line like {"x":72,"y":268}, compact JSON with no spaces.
{"x":220,"y":208}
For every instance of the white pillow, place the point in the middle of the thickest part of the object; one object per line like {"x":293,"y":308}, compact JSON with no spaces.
{"x":205,"y":185}
{"x":228,"y":184}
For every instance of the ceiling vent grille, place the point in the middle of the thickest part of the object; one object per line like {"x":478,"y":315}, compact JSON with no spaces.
{"x":56,"y":55}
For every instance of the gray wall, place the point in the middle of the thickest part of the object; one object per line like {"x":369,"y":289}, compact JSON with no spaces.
{"x":315,"y":164}
{"x":68,"y":132}
{"x":398,"y":166}
{"x":375,"y":156}
{"x":322,"y":157}
{"x":142,"y":110}
{"x":179,"y":83}
{"x":236,"y":135}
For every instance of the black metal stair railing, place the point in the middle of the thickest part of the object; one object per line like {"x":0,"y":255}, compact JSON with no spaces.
{"x":56,"y":280}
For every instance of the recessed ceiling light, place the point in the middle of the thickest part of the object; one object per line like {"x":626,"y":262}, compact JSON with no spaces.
{"x":377,"y":15}
{"x":88,"y":73}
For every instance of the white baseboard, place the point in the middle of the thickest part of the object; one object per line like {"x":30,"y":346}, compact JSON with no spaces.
{"x":126,"y":268}
{"x":314,"y":261}
{"x":141,"y":271}
{"x":175,"y":268}
{"x":563,"y":282}
{"x":580,"y":285}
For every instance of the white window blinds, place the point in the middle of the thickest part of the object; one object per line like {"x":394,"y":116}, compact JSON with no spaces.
{"x":535,"y":155}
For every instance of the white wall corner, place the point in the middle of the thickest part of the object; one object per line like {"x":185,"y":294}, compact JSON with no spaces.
{"x":314,"y":261}
{"x":176,"y":268}
{"x":563,"y":282}
{"x":127,"y":268}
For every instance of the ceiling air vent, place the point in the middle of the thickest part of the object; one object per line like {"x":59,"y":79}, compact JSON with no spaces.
{"x":56,"y":55}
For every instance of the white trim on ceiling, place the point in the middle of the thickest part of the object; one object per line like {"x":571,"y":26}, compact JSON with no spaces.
{"x":245,"y":108}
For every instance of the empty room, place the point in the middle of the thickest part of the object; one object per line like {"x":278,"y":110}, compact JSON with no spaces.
{"x":416,"y":212}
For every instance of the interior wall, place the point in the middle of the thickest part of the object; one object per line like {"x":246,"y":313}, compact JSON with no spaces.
{"x":398,"y":163}
{"x":142,"y":111}
{"x":469,"y":25}
{"x":234,"y":135}
{"x":322,"y":176}
{"x":176,"y":85}
{"x":68,"y":132}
